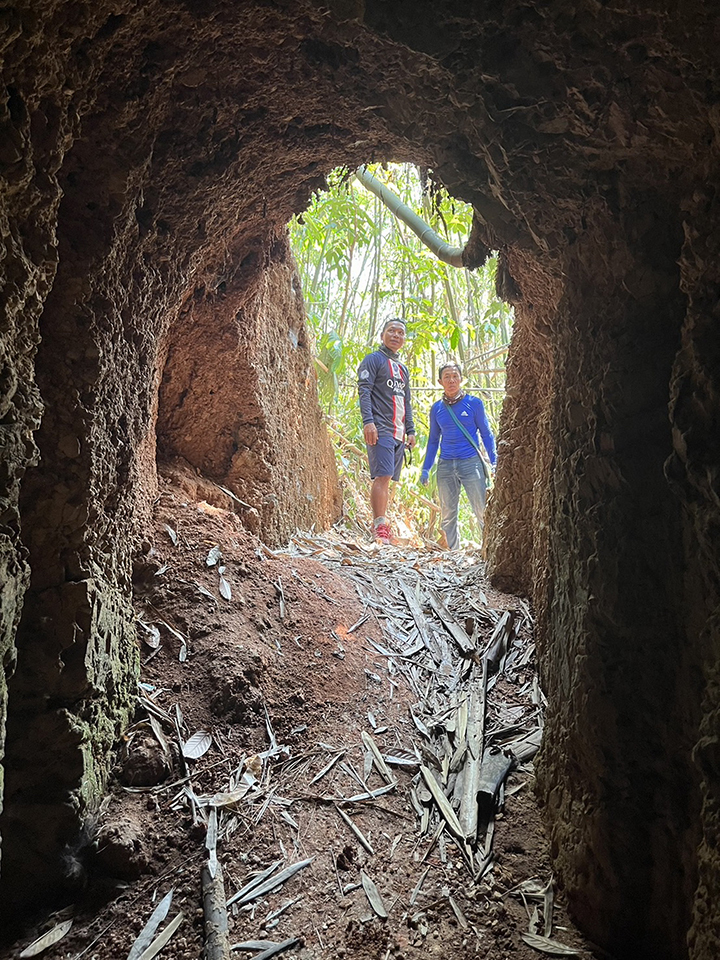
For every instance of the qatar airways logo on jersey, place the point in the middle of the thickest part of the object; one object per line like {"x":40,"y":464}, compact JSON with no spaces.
{"x":396,"y":380}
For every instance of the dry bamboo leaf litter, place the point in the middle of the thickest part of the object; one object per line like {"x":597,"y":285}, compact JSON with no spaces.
{"x":253,"y":945}
{"x":254,"y":882}
{"x":47,"y":940}
{"x":148,"y":932}
{"x":377,"y":756}
{"x":443,"y":803}
{"x":327,"y":768}
{"x":224,"y":585}
{"x":276,"y":948}
{"x":440,"y":674}
{"x":163,"y":938}
{"x":357,"y":831}
{"x":272,"y":883}
{"x":197,"y":746}
{"x":551,"y":947}
{"x":373,"y":894}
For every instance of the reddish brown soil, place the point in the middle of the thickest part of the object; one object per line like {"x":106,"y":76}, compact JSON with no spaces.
{"x":296,"y":660}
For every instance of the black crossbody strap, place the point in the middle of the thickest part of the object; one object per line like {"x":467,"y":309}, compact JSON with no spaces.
{"x":475,"y":447}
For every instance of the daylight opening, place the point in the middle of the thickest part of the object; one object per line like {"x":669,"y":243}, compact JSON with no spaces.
{"x":361,"y":266}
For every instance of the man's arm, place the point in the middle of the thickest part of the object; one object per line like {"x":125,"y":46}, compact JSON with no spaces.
{"x":481,"y":422}
{"x":409,"y":419}
{"x":433,"y":444}
{"x":367,"y":371}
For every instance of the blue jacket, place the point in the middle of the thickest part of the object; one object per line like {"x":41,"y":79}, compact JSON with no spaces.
{"x":384,"y":390}
{"x":471,"y":413}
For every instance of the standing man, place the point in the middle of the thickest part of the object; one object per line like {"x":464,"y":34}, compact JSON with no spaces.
{"x":455,"y":422}
{"x":384,"y":390}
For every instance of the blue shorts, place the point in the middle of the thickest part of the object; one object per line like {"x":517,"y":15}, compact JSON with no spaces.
{"x":386,"y":457}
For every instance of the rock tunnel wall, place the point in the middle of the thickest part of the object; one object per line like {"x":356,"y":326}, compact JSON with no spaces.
{"x":110,"y":255}
{"x":515,"y":538}
{"x":585,"y":519}
{"x":238,"y":399}
{"x":693,"y":473}
{"x":151,"y":157}
{"x":610,"y":600}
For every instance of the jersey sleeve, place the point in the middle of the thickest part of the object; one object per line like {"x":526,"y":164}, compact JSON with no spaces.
{"x":433,"y":440}
{"x":481,"y":422}
{"x":409,"y":418}
{"x":367,"y":372}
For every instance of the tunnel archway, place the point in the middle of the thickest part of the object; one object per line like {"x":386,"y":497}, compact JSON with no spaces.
{"x":141,"y":178}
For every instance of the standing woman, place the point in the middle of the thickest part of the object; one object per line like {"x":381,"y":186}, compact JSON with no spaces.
{"x":455,"y":423}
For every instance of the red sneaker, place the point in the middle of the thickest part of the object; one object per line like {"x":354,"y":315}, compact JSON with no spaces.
{"x":383,"y":534}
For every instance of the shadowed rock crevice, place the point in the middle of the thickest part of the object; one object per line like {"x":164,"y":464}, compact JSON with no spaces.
{"x":151,"y":157}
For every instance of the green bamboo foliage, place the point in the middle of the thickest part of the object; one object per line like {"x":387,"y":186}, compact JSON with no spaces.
{"x":359,"y":266}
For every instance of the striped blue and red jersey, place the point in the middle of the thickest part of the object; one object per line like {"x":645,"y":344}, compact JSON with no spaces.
{"x":384,"y":390}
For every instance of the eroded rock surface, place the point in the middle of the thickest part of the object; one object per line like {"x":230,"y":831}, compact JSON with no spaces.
{"x":238,"y":400}
{"x":151,"y":156}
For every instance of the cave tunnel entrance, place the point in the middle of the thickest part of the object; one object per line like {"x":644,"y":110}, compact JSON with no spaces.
{"x":589,"y":152}
{"x":236,"y":347}
{"x":609,"y":382}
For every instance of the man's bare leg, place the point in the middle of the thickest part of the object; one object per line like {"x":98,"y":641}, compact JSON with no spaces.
{"x":379,"y":494}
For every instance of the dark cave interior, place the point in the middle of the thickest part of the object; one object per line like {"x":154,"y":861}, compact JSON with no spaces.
{"x":152,"y":155}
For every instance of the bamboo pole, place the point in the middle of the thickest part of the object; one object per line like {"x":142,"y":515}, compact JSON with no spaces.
{"x":442,"y":250}
{"x":217,"y":937}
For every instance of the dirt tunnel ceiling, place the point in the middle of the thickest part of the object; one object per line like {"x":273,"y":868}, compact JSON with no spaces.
{"x":152,"y":155}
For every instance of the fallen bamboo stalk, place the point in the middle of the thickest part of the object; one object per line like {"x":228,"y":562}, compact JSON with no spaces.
{"x":471,"y":772}
{"x":494,"y":769}
{"x":217,"y":938}
{"x":500,"y":640}
{"x":451,"y":625}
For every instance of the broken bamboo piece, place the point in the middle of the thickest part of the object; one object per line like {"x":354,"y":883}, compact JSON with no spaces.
{"x":471,"y":771}
{"x":499,"y":641}
{"x":452,"y":626}
{"x":525,"y":749}
{"x":495,"y":767}
{"x":217,"y":938}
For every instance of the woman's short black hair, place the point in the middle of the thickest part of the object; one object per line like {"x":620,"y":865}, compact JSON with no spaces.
{"x":446,"y":366}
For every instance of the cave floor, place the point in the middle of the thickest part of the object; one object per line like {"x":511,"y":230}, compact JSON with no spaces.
{"x":283,"y":673}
